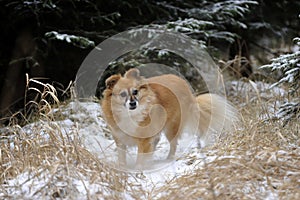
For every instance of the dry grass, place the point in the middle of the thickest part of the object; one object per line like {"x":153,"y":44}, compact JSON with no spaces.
{"x":251,"y":164}
{"x":57,"y":160}
{"x":260,"y":159}
{"x":44,"y":151}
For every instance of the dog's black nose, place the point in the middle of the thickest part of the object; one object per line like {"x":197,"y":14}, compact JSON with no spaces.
{"x":132,"y":105}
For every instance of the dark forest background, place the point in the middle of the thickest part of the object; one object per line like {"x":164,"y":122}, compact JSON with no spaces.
{"x":49,"y":39}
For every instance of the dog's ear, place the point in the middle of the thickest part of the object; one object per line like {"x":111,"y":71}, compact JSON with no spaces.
{"x":133,"y":73}
{"x":144,"y":86}
{"x":111,"y":81}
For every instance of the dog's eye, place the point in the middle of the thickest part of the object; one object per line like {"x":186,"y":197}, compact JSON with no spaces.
{"x":123,"y":94}
{"x":135,"y":92}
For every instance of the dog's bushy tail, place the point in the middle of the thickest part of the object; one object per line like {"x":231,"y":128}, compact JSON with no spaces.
{"x":216,"y":116}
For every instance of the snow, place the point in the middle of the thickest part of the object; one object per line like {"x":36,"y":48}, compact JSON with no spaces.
{"x":163,"y":52}
{"x":28,"y":184}
{"x":84,"y":119}
{"x":251,"y":88}
{"x":251,"y":91}
{"x":272,"y":196}
{"x":85,"y":42}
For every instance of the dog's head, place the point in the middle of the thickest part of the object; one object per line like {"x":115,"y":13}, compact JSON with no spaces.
{"x":127,"y":90}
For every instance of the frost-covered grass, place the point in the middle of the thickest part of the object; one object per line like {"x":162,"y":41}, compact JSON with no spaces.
{"x":69,"y":154}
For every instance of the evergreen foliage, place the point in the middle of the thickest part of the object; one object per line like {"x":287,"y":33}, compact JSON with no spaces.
{"x":97,"y":20}
{"x":288,"y":66}
{"x":56,"y":35}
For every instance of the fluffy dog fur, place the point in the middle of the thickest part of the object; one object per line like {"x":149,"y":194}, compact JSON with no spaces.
{"x":137,"y":110}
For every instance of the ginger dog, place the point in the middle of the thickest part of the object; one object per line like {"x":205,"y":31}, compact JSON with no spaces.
{"x":137,"y":110}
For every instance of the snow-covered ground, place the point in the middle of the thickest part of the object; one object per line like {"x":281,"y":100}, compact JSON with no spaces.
{"x":84,"y":119}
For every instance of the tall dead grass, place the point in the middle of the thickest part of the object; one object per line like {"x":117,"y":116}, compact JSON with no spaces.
{"x":47,"y":152}
{"x":259,"y":160}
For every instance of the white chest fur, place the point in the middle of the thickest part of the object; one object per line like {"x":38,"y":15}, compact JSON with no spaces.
{"x":128,"y":123}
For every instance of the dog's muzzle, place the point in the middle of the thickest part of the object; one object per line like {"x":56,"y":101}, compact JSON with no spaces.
{"x":133,"y":105}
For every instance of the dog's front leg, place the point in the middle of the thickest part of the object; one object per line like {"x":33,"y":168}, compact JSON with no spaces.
{"x":121,"y":148}
{"x":145,"y":151}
